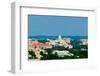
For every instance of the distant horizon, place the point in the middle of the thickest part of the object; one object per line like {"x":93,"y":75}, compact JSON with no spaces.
{"x":49,"y":35}
{"x":41,"y":36}
{"x":39,"y":25}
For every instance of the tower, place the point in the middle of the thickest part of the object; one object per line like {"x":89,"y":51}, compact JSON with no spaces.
{"x":59,"y":37}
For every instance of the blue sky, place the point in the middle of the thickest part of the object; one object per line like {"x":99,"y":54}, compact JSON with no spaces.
{"x":57,"y":25}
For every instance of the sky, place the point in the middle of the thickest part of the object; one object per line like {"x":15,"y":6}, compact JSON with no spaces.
{"x":57,"y":25}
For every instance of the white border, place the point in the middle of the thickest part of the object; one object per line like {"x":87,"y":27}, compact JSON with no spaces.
{"x":19,"y":37}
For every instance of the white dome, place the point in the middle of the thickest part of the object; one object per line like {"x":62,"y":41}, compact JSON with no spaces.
{"x":59,"y":37}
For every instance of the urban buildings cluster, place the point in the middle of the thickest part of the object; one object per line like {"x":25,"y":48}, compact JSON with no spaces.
{"x":39,"y":50}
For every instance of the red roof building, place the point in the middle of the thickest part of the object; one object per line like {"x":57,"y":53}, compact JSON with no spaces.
{"x":38,"y":44}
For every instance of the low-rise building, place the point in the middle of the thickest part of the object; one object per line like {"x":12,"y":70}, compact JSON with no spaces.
{"x":62,"y":53}
{"x":38,"y":44}
{"x":84,"y":42}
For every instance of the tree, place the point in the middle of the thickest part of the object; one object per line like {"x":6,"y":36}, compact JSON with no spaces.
{"x":32,"y":54}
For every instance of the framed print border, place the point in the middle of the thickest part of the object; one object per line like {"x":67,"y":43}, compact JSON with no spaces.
{"x":17,"y":30}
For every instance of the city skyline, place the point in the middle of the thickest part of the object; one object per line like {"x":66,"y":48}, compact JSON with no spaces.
{"x":57,"y":25}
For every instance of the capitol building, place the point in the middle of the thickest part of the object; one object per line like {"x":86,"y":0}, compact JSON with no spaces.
{"x":61,"y":42}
